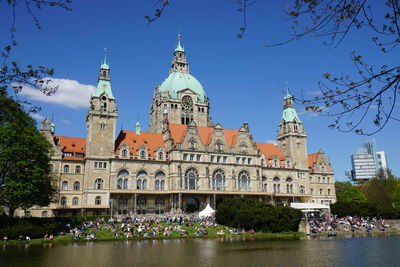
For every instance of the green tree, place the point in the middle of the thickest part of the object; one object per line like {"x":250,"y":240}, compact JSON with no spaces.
{"x":24,"y":159}
{"x":351,"y":194}
{"x":380,"y":192}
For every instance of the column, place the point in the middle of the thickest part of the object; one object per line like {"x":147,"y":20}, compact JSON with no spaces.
{"x":179,"y":209}
{"x":134,"y":204}
{"x":214,"y":202}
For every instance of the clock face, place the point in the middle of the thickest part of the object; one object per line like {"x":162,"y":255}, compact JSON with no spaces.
{"x":187,"y":102}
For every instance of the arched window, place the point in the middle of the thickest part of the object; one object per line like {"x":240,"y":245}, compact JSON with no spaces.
{"x":97,"y":200}
{"x":162,"y":185}
{"x":143,"y":154}
{"x":77,"y":185}
{"x":265,"y":188}
{"x":44,"y":213}
{"x":64,"y":185}
{"x":123,"y":173}
{"x":321,"y":191}
{"x":191,"y":177}
{"x":63,"y":201}
{"x":323,"y":179}
{"x":77,"y":169}
{"x":160,"y":175}
{"x":102,"y":126}
{"x":244,"y":181}
{"x":141,"y":183}
{"x":329,"y":180}
{"x":75,"y":201}
{"x":302,"y":189}
{"x":311,"y":191}
{"x":124,"y":153}
{"x":144,"y":184}
{"x":125,"y":186}
{"x":218,"y":180}
{"x":157,"y":185}
{"x":119,"y":183}
{"x":289,"y":187}
{"x":66,"y":168}
{"x":277,"y":186}
{"x":160,"y":156}
{"x":160,"y":201}
{"x":98,"y":184}
{"x":329,"y":192}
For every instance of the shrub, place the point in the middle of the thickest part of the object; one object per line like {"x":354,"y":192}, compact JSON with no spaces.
{"x":343,"y":209}
{"x":257,"y":215}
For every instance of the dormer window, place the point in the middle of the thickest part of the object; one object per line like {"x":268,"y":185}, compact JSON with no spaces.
{"x":142,"y":154}
{"x":160,"y":156}
{"x":124,"y":153}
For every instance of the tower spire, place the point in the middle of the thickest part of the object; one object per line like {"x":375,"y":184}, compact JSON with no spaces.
{"x":179,"y":62}
{"x":105,"y":56}
{"x":104,"y":85}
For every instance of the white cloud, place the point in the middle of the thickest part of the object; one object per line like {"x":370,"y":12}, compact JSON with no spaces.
{"x":70,"y":93}
{"x":37,"y":116}
{"x":66,"y":121}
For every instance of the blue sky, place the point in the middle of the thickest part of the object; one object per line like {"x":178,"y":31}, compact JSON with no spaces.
{"x":243,"y":79}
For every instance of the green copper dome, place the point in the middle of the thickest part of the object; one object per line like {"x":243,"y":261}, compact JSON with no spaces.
{"x":290,"y":115}
{"x":178,"y":81}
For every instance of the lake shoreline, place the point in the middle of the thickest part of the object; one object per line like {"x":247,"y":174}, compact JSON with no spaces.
{"x":262,"y":236}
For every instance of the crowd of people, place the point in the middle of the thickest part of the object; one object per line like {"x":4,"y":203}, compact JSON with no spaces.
{"x":331,"y":223}
{"x":130,"y":227}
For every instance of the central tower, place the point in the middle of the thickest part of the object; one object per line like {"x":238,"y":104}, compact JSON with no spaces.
{"x":180,"y":98}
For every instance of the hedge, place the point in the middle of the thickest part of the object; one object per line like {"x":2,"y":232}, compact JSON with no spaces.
{"x":13,"y":227}
{"x":342,"y":209}
{"x":257,"y":215}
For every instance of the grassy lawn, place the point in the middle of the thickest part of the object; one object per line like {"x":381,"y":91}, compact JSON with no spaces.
{"x":106,"y":234}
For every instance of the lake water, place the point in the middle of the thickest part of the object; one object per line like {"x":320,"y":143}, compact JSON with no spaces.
{"x":360,"y":251}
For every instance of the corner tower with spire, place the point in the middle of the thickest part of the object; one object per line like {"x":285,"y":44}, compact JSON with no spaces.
{"x":102,"y":116}
{"x":292,"y":138}
{"x":181,"y":98}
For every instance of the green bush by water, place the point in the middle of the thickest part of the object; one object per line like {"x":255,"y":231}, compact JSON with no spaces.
{"x":257,"y":215}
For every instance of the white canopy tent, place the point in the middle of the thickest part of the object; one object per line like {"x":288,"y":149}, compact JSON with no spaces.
{"x":207,"y":212}
{"x":307,"y":207}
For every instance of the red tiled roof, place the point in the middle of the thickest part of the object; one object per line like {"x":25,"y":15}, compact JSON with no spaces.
{"x":151,"y":140}
{"x":178,"y":132}
{"x":270,"y":150}
{"x":311,"y":159}
{"x":71,"y":145}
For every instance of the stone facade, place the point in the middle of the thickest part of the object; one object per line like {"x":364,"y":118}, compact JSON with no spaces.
{"x":184,"y":162}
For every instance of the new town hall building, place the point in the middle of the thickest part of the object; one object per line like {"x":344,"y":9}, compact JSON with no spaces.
{"x":184,"y":161}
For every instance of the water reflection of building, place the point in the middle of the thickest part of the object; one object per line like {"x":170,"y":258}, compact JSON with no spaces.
{"x":184,"y":161}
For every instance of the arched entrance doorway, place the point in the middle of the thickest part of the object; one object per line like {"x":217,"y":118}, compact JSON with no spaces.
{"x":191,"y":205}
